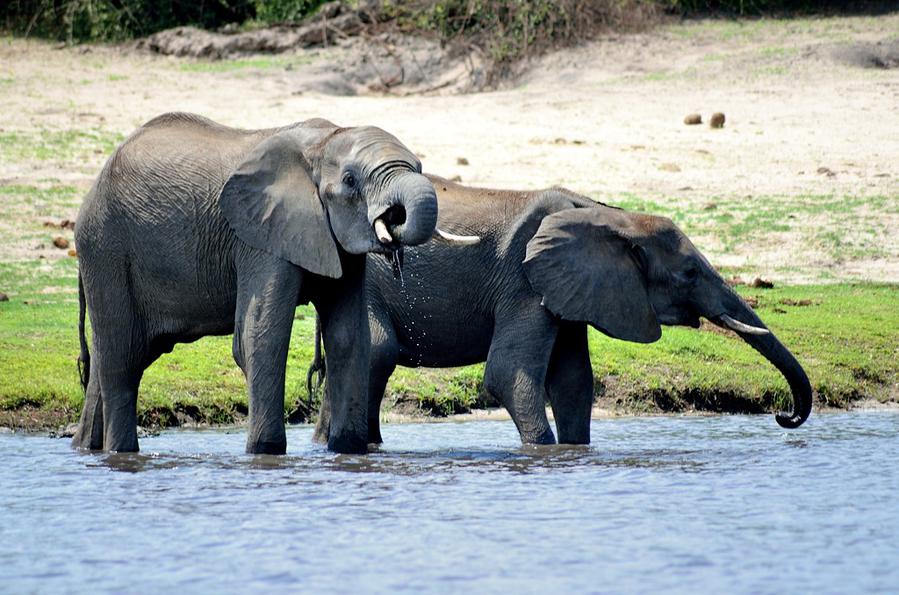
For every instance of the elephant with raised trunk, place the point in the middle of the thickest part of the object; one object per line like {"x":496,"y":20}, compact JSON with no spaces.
{"x":195,"y":229}
{"x":549,"y":263}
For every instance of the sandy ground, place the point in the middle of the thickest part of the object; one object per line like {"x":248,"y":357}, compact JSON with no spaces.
{"x":605,"y":119}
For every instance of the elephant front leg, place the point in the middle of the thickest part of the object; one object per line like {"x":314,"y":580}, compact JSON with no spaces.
{"x":347,"y":344}
{"x":266,"y":299}
{"x":516,"y":371}
{"x":569,"y":384}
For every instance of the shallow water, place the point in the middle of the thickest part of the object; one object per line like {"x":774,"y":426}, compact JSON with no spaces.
{"x":715,"y":504}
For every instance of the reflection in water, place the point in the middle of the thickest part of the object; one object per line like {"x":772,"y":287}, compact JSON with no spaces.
{"x":653,"y":504}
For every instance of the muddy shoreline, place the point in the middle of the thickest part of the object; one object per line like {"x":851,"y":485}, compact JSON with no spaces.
{"x":55,"y":423}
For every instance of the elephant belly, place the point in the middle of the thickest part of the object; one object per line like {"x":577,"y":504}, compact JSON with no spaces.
{"x":443,"y":342}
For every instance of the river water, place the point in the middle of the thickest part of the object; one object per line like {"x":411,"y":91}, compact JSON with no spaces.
{"x":667,"y":504}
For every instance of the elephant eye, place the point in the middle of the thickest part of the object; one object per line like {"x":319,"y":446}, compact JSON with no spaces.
{"x":349,"y":180}
{"x":691,"y":273}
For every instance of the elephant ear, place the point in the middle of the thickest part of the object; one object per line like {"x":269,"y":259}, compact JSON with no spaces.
{"x":584,"y":264}
{"x":272,"y":204}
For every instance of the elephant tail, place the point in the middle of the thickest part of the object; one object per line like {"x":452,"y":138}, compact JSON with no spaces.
{"x":318,"y":362}
{"x":84,"y":358}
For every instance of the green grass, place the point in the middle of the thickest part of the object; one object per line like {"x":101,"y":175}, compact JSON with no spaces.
{"x":57,"y":145}
{"x":846,"y":338}
{"x":241,"y":64}
{"x":39,"y":348}
{"x":844,"y":227}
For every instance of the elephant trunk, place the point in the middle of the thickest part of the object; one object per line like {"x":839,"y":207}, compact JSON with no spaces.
{"x":413,"y":217}
{"x":743,"y":320}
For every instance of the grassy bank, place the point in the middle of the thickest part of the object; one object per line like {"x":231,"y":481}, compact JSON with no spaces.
{"x":845,"y":335}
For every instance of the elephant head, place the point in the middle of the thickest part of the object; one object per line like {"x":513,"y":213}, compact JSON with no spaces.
{"x":309,"y":188}
{"x":625,"y":274}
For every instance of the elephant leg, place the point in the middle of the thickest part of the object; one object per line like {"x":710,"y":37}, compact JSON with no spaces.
{"x":347,"y":342}
{"x":384,"y":354}
{"x":89,"y":435}
{"x":516,"y":372}
{"x":569,"y":384}
{"x":323,"y":423}
{"x":266,"y":298}
{"x":118,"y":361}
{"x":384,"y":350}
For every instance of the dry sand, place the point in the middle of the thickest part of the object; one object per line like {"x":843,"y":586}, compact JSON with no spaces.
{"x":605,"y":119}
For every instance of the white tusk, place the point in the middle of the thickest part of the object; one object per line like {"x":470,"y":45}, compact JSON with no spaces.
{"x":381,"y":231}
{"x":455,"y":239}
{"x":742,"y":327}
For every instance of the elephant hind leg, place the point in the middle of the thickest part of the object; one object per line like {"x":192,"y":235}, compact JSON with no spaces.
{"x":382,"y":363}
{"x":120,"y":356}
{"x":516,"y":372}
{"x":384,"y":354}
{"x":89,"y":435}
{"x":569,"y":384}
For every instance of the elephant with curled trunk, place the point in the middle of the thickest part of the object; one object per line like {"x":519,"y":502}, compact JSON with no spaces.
{"x":196,"y":229}
{"x":549,"y":263}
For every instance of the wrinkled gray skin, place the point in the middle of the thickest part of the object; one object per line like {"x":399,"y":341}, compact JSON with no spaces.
{"x":196,"y":229}
{"x":549,"y":263}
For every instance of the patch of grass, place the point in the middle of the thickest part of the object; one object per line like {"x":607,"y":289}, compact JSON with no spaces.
{"x":777,"y":52}
{"x":39,"y":349}
{"x":239,"y":64}
{"x":57,"y":145}
{"x":846,"y":337}
{"x":846,"y":227}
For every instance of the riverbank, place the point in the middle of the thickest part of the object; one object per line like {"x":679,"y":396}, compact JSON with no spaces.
{"x":844,"y":334}
{"x":800,"y":187}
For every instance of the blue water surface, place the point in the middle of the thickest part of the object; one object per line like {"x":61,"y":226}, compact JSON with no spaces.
{"x":730,"y":504}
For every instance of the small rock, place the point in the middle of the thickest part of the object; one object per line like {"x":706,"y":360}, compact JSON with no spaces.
{"x":4,"y":297}
{"x":73,"y":253}
{"x":67,"y":431}
{"x":736,"y":280}
{"x":457,"y":178}
{"x":762,"y":283}
{"x":67,"y":224}
{"x":826,"y":171}
{"x":692,"y":119}
{"x":673,"y":167}
{"x":717,"y":120}
{"x":709,"y":206}
{"x":685,"y":188}
{"x":461,"y":161}
{"x":60,"y":242}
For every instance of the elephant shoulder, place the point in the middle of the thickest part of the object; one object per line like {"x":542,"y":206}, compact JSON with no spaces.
{"x":537,"y":206}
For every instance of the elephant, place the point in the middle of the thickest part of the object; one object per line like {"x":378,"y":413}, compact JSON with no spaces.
{"x":193,"y":228}
{"x":550,"y":263}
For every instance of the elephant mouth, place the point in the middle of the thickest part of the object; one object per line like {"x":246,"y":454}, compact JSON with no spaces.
{"x":385,"y":226}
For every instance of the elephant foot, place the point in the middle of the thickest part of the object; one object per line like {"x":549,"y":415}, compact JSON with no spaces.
{"x":87,"y":439}
{"x":275,"y":447}
{"x":348,"y":443}
{"x":546,"y":437}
